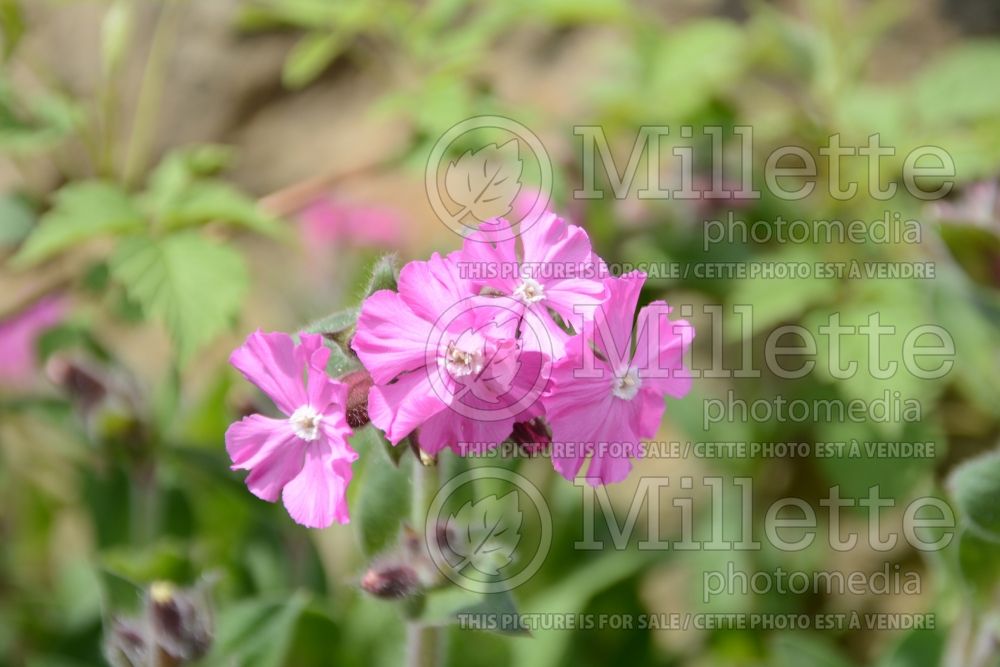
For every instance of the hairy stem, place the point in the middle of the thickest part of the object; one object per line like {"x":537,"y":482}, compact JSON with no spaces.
{"x":424,"y":643}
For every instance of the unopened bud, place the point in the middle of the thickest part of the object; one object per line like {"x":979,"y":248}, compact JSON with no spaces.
{"x":125,"y":644}
{"x":358,"y":384}
{"x":83,"y":384}
{"x":391,"y":581}
{"x":532,"y":436}
{"x":180,"y":620}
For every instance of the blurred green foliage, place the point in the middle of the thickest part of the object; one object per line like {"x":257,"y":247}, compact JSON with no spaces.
{"x":102,"y":495}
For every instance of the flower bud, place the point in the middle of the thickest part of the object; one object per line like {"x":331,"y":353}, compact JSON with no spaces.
{"x":391,"y":581}
{"x":180,"y":621}
{"x":532,"y":436}
{"x":84,"y":385}
{"x":358,"y":382}
{"x":125,"y":644}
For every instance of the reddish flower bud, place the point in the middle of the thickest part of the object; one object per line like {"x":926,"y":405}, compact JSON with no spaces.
{"x":359,"y":382}
{"x":391,"y":581}
{"x":180,"y":621}
{"x":532,"y":436}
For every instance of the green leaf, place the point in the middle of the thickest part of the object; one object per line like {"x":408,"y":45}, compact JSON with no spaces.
{"x":11,"y":26}
{"x":694,"y":63}
{"x":17,"y":217}
{"x":201,"y":202}
{"x":979,"y":563}
{"x":194,"y":285}
{"x":334,"y":323}
{"x":791,"y":650}
{"x":38,"y":123}
{"x":385,"y":274}
{"x":775,"y":300}
{"x":82,"y":211}
{"x":162,"y":561}
{"x":959,"y":86}
{"x":571,"y":596}
{"x":498,"y":612}
{"x":975,"y":485}
{"x":310,"y":57}
{"x":384,"y":500}
{"x":485,"y":532}
{"x":257,"y":633}
{"x":919,"y":648}
{"x":341,"y":361}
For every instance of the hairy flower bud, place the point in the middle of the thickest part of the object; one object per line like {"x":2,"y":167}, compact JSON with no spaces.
{"x":83,"y":384}
{"x":125,"y":644}
{"x":359,"y":382}
{"x":180,"y":621}
{"x":532,"y":436}
{"x":391,"y":581}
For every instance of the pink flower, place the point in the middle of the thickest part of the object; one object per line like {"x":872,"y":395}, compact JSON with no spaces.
{"x":328,"y":222}
{"x":445,"y":361}
{"x":555,"y":269}
{"x":601,"y":405}
{"x":305,"y":456}
{"x":19,"y":336}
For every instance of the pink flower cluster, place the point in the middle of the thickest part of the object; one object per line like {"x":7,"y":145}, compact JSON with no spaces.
{"x":513,"y":334}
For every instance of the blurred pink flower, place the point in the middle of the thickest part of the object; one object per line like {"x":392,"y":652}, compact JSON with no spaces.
{"x":304,"y":457}
{"x":19,"y":336}
{"x":602,"y":409}
{"x":328,"y":222}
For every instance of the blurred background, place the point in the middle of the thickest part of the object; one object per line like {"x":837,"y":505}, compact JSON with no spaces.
{"x":175,"y":174}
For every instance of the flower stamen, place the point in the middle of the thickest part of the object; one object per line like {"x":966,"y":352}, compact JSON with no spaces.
{"x":305,"y":422}
{"x":625,"y":385}
{"x":529,"y":291}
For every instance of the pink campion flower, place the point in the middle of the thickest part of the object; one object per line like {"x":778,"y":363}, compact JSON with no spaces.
{"x":444,"y":363}
{"x":304,"y":457}
{"x":555,"y":269}
{"x":19,"y":336}
{"x":601,"y":405}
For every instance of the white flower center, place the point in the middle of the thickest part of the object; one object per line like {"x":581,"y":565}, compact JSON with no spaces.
{"x":529,"y":291}
{"x":462,"y":363}
{"x":305,"y":422}
{"x":626,"y":384}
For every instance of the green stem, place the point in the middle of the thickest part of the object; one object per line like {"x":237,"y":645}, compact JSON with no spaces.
{"x":150,"y":94}
{"x":424,"y":643}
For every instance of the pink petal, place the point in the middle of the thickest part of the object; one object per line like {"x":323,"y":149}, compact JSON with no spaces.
{"x":269,"y":448}
{"x":326,"y":395}
{"x":315,"y":498}
{"x":254,"y":438}
{"x":390,"y":339}
{"x":614,"y":319}
{"x":489,"y":258}
{"x":271,"y":361}
{"x":454,"y":430}
{"x":270,"y":476}
{"x":574,"y":298}
{"x":663,"y":369}
{"x":19,"y":335}
{"x":551,"y":239}
{"x":430,"y":288}
{"x":402,"y":406}
{"x":650,"y":407}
